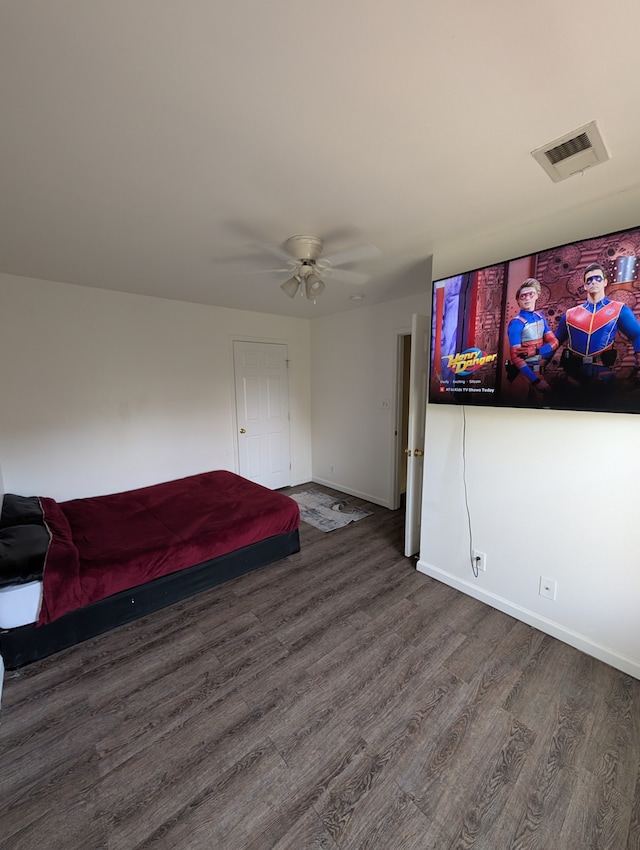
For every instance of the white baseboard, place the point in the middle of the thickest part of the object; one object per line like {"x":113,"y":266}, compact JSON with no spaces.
{"x":549,"y":627}
{"x":336,"y":485}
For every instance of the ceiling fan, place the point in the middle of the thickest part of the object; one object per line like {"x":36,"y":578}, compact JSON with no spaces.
{"x":307,"y":267}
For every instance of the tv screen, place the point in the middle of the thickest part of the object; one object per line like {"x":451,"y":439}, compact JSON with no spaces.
{"x":559,"y":329}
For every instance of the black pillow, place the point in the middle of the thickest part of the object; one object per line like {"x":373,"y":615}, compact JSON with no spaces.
{"x":20,"y":510}
{"x":22,"y":552}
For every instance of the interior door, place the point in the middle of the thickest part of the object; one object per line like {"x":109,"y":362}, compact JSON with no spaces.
{"x":418,"y":368}
{"x":262,"y":412}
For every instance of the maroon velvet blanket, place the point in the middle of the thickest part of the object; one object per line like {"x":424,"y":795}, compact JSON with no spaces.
{"x":102,"y":545}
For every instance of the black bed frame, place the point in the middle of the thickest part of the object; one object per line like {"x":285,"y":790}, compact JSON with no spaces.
{"x":25,"y":644}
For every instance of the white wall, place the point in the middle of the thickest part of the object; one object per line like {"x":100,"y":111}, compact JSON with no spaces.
{"x":550,"y":493}
{"x":354,"y":361}
{"x":104,"y":391}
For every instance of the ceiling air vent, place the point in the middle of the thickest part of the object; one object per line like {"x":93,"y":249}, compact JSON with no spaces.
{"x":572,"y":153}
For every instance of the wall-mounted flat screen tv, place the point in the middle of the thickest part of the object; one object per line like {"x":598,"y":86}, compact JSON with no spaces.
{"x":559,"y":329}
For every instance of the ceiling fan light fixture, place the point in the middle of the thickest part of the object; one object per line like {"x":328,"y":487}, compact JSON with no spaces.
{"x":291,"y":286}
{"x":304,"y":258}
{"x":313,"y":286}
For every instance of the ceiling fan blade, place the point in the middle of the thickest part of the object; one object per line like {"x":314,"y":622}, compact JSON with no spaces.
{"x":352,"y":255}
{"x":346,"y":276}
{"x":274,"y":250}
{"x":288,"y":270}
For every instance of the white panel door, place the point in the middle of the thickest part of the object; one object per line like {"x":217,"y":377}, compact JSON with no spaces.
{"x":419,"y":363}
{"x":262,"y":411}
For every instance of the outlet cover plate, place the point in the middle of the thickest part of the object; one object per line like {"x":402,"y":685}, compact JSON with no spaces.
{"x":548,"y":587}
{"x":481,"y":564}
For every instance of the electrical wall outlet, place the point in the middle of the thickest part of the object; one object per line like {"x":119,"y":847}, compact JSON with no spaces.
{"x":480,"y":560}
{"x":548,"y":587}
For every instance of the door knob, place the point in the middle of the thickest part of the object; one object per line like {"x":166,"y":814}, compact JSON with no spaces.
{"x":407,"y":452}
{"x":418,"y":453}
{"x":243,"y":431}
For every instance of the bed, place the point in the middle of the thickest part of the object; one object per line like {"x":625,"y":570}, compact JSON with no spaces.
{"x":73,"y":570}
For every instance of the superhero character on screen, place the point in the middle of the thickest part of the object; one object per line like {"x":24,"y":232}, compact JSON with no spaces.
{"x":589,"y":332}
{"x":531,"y":343}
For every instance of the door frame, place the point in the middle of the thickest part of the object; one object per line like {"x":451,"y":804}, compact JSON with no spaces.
{"x":401,"y":370}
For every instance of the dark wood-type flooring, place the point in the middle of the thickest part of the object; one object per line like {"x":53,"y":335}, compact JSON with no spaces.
{"x":338,"y":700}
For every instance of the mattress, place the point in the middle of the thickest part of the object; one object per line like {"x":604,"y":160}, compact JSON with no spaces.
{"x":59,"y":557}
{"x":19,"y":604}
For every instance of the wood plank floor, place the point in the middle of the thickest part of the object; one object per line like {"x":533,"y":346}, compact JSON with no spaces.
{"x":336,"y":700}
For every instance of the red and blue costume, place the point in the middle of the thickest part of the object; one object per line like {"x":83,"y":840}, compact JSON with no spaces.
{"x":589,"y":332}
{"x":531,"y":342}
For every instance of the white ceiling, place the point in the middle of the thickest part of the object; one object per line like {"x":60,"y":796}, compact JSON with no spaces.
{"x":156,"y":146}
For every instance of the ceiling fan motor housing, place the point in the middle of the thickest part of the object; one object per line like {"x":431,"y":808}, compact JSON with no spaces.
{"x":304,"y":247}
